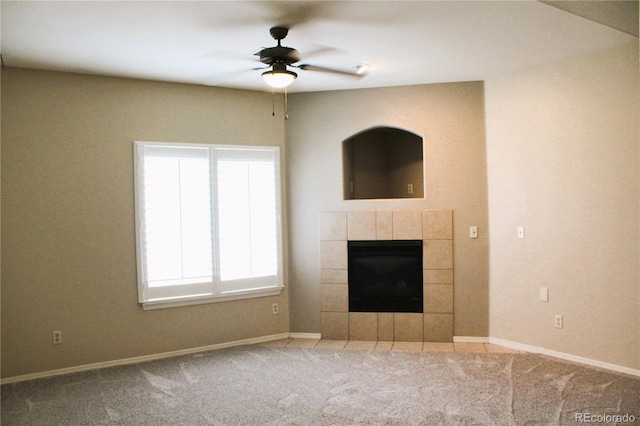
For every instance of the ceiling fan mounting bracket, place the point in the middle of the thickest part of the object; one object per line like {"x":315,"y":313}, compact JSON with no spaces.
{"x":278,"y":33}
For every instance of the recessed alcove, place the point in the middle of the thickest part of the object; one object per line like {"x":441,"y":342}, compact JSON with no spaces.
{"x":382,"y":163}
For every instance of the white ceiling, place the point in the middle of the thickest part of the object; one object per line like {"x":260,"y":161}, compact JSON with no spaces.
{"x":212,"y":42}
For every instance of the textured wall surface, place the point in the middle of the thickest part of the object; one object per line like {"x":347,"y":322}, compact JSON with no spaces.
{"x":450,"y":118}
{"x":563,"y":159}
{"x":68,"y":236}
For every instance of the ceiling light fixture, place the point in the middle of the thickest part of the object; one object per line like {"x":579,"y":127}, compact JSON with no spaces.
{"x":279,"y":76}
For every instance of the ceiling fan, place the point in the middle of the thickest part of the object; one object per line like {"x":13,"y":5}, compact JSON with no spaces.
{"x":279,"y":57}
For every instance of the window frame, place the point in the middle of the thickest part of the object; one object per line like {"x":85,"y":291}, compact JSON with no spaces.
{"x":216,"y":294}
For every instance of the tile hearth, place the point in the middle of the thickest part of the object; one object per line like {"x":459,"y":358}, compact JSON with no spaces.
{"x":389,"y":346}
{"x":434,"y":228}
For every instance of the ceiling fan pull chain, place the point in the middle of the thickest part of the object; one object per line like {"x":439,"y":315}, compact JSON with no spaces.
{"x":273,"y":102}
{"x":286,"y":107}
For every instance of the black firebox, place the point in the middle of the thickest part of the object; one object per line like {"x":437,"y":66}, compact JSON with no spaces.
{"x":385,"y":276}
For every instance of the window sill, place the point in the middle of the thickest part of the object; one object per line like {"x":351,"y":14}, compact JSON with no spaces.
{"x":239,"y":295}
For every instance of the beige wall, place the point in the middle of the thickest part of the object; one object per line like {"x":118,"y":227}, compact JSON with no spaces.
{"x":562,"y":159}
{"x":406,"y":167}
{"x":450,"y":118}
{"x":68,"y":246}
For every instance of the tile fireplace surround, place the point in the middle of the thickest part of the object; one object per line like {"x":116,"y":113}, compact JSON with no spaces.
{"x":434,"y":228}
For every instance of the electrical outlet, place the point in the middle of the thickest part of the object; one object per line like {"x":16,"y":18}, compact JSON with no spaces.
{"x":57,"y":337}
{"x":275,"y":309}
{"x":410,"y":188}
{"x":558,"y":321}
{"x":473,"y":232}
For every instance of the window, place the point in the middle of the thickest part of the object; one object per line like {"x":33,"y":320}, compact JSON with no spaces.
{"x":207,"y":223}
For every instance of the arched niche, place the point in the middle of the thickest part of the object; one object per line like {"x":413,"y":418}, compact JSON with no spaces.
{"x":381,"y":163}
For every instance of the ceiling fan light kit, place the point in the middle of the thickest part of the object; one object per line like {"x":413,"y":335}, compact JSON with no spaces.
{"x":279,"y":76}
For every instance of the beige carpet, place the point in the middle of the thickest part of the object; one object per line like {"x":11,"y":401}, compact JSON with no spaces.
{"x":260,"y":385}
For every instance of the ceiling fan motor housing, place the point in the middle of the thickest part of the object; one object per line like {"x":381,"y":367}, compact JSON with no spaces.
{"x":279,"y":55}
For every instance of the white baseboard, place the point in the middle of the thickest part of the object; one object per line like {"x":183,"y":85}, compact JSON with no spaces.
{"x":314,"y":336}
{"x":562,"y":355}
{"x":145,"y":358}
{"x":263,"y":339}
{"x":470,"y":339}
{"x":543,"y":351}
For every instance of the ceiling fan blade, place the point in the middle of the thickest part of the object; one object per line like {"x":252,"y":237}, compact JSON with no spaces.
{"x":320,"y":50}
{"x":228,"y":56}
{"x":354,"y":73}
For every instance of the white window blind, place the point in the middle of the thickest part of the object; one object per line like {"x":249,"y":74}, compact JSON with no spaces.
{"x":208,"y":221}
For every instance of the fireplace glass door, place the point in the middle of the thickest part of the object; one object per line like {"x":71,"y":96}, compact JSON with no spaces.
{"x":385,"y":276}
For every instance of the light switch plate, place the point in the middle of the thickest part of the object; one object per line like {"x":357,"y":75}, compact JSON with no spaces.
{"x":473,"y":232}
{"x":520,"y":232}
{"x":544,"y":294}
